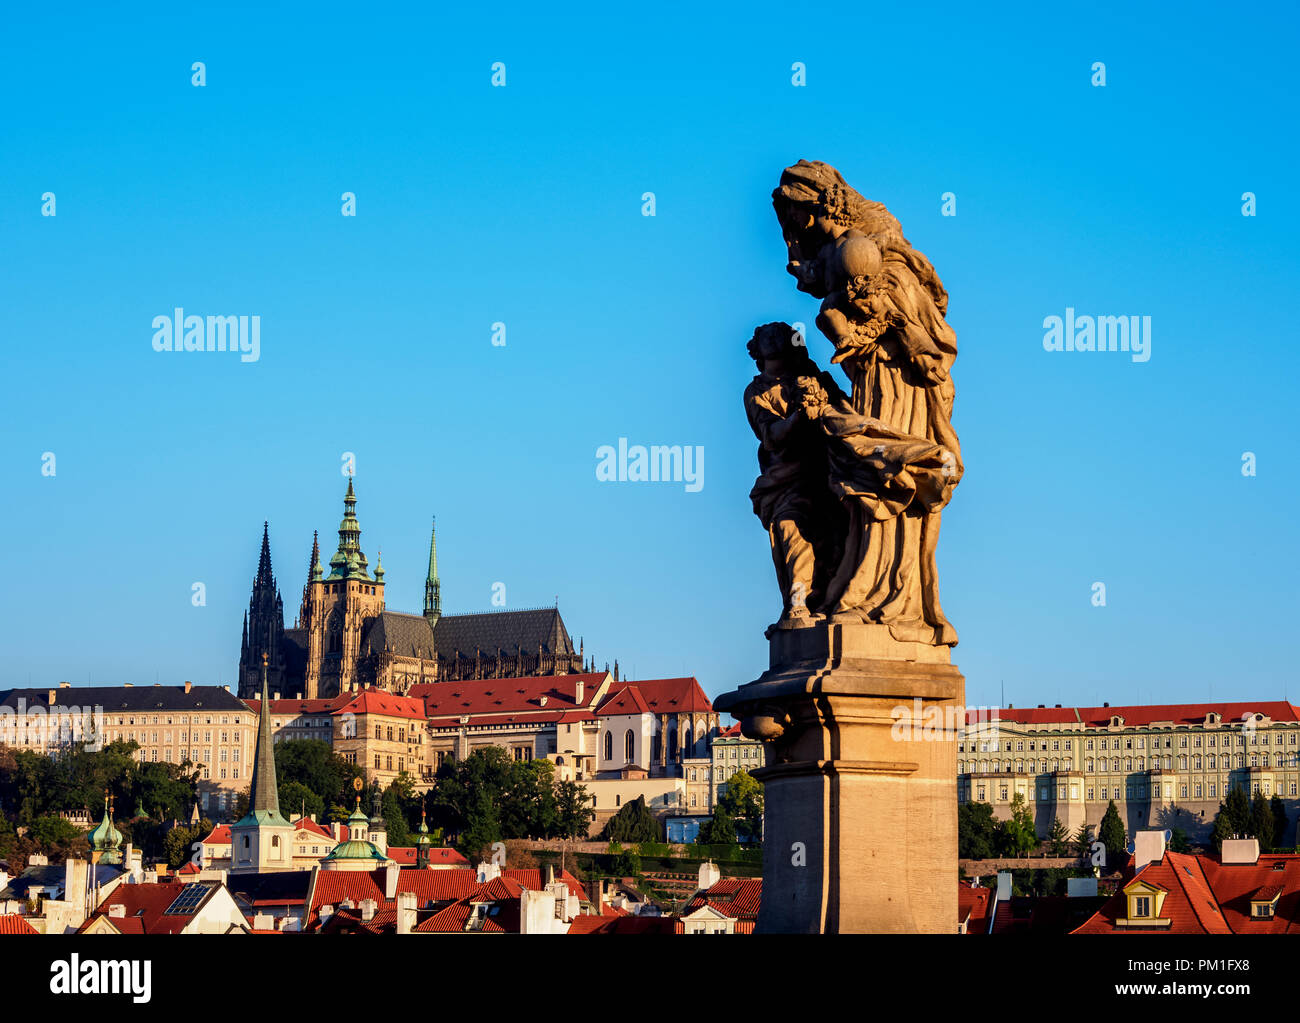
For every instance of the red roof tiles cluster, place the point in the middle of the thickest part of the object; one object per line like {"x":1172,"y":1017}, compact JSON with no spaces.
{"x":145,"y":908}
{"x":1177,"y":713}
{"x":12,"y":923}
{"x":1207,"y":896}
{"x":661,"y":696}
{"x":737,"y":897}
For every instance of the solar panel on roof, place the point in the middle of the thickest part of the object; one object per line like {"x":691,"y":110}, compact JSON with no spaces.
{"x":187,"y":902}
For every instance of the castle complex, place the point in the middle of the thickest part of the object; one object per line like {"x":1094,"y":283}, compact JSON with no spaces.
{"x":344,"y":638}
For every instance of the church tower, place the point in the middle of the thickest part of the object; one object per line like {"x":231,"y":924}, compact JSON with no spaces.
{"x":337,"y":608}
{"x":262,"y":840}
{"x":263,"y":629}
{"x":432,"y":588}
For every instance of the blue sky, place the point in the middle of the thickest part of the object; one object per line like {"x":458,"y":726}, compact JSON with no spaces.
{"x":523,"y":205}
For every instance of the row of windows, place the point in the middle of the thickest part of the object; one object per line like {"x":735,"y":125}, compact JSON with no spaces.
{"x":1211,"y":762}
{"x":1185,"y":791}
{"x":1131,"y":742}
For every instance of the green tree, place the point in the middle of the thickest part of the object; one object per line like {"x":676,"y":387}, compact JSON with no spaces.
{"x":1083,"y":842}
{"x":742,"y":800}
{"x":1018,"y":836}
{"x":1111,"y":834}
{"x":1280,"y":821}
{"x":635,"y":823}
{"x":1261,"y":821}
{"x":297,"y":799}
{"x":1232,"y":819}
{"x":977,"y":831}
{"x":1178,"y":841}
{"x":720,"y":829}
{"x":1058,"y":839}
{"x":573,"y":811}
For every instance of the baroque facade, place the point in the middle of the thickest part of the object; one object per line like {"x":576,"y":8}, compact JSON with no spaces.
{"x":345,"y":638}
{"x":1164,"y":767}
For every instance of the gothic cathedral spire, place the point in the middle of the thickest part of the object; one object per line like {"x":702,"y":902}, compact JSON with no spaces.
{"x":432,"y":588}
{"x":263,"y":626}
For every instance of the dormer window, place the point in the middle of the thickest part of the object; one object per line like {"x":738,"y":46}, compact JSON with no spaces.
{"x":1141,"y":906}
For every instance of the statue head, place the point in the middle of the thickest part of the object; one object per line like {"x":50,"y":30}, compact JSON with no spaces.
{"x":778,"y":350}
{"x":816,"y":206}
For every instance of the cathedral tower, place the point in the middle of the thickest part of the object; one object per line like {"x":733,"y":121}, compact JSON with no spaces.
{"x":263,"y":629}
{"x":337,"y":608}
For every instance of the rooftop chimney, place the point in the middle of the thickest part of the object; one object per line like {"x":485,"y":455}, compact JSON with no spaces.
{"x":578,"y":689}
{"x":52,"y":696}
{"x":709,"y":875}
{"x":1148,"y":847}
{"x":368,"y":907}
{"x":1240,"y":851}
{"x":65,"y":685}
{"x":1004,"y":886}
{"x":390,"y":881}
{"x":117,"y":911}
{"x":188,"y":685}
{"x":406,"y":903}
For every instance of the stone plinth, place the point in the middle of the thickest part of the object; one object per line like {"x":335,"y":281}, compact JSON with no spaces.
{"x":860,"y":781}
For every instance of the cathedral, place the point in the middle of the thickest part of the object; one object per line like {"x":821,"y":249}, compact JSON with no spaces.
{"x":344,"y":638}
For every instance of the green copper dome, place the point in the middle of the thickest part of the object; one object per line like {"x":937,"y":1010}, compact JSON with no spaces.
{"x":106,"y":839}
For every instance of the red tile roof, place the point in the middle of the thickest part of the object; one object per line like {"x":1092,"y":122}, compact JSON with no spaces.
{"x":586,"y":924}
{"x":973,"y":906}
{"x":499,"y":696}
{"x":146,"y":908}
{"x":12,"y":923}
{"x":665,"y":695}
{"x":626,"y":701}
{"x":1191,"y":904}
{"x":385,"y":704}
{"x":737,"y":897}
{"x":307,"y":824}
{"x":220,"y":835}
{"x":1178,"y":713}
{"x":334,"y":887}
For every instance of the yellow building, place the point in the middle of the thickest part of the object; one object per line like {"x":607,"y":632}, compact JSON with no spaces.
{"x":1164,"y":766}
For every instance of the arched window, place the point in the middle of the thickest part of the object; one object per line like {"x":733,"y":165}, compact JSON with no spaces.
{"x":672,"y":743}
{"x":686,"y":743}
{"x":629,"y":746}
{"x":609,"y":745}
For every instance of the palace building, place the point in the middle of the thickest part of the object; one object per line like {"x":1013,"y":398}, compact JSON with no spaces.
{"x":345,"y":638}
{"x":1164,"y":767}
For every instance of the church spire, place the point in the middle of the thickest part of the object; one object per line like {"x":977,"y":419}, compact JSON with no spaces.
{"x":264,"y":796}
{"x":432,"y":588}
{"x":264,"y":576}
{"x":314,"y":570}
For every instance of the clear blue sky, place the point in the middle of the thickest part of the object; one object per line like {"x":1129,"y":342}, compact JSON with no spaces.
{"x":523,"y":205}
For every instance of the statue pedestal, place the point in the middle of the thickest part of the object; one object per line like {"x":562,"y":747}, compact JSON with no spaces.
{"x":860,"y":782}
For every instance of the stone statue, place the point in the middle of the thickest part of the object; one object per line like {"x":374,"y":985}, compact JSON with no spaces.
{"x":852,"y":486}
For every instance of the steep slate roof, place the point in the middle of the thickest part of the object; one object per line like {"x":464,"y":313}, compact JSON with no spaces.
{"x":1178,"y":713}
{"x":293,"y":707}
{"x":512,"y":631}
{"x":402,"y":634}
{"x":272,"y":888}
{"x":663,"y":695}
{"x":50,"y":876}
{"x":117,"y":699}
